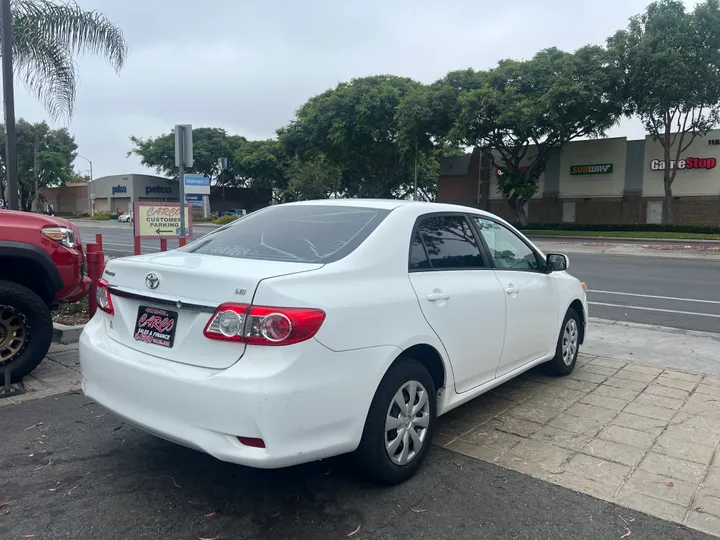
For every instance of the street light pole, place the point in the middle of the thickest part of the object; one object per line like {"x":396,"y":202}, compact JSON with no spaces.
{"x":11,"y":166}
{"x":90,"y":201}
{"x":416,"y":155}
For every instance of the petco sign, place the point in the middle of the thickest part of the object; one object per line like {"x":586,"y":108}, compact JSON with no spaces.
{"x":119,"y":189}
{"x":161,"y":190}
{"x":687,"y":163}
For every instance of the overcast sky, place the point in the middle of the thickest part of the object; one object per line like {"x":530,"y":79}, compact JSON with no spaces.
{"x":246,"y":66}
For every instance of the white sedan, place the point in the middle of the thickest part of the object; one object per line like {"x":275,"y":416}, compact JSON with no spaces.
{"x":313,"y":329}
{"x":126,"y":218}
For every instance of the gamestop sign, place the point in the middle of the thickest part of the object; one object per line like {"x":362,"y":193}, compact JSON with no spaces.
{"x":687,"y":163}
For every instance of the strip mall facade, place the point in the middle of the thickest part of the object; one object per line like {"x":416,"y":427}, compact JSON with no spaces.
{"x":599,"y":181}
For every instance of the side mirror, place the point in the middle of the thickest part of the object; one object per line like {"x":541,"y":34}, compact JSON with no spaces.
{"x":557,"y":262}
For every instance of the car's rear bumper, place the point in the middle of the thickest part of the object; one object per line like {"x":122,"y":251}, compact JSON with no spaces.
{"x":304,"y":401}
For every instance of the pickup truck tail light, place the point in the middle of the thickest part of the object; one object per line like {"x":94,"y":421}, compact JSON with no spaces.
{"x":102,"y":295}
{"x":262,"y":325}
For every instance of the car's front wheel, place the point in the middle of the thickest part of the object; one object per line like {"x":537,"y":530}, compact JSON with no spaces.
{"x":568,"y":345}
{"x":26,"y":330}
{"x":400,"y":423}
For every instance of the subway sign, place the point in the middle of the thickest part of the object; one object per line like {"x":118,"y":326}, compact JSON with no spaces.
{"x":682,"y":164}
{"x":601,"y":168}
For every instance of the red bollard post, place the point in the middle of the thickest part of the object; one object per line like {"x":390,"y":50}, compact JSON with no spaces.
{"x":95,"y":267}
{"x":136,"y":244}
{"x":98,"y":240}
{"x":182,"y":241}
{"x":163,"y":244}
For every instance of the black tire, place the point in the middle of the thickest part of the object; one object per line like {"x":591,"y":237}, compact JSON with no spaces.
{"x":558,"y":365}
{"x":38,"y":324}
{"x":371,"y":457}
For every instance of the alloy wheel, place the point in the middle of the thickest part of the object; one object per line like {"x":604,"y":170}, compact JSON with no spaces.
{"x":14,"y":333}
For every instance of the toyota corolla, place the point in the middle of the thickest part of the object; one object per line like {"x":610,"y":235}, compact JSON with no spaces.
{"x":320,"y":328}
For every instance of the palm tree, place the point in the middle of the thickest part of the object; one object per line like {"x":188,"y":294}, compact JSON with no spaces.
{"x":47,"y":36}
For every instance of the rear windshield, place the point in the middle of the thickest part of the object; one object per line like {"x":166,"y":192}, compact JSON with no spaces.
{"x":293,"y":233}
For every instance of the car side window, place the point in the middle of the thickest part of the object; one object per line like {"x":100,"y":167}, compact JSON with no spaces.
{"x":450,"y":243}
{"x":507,"y":250}
{"x":418,"y":256}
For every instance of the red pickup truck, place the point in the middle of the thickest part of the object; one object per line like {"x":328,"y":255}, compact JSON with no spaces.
{"x":42,"y":265}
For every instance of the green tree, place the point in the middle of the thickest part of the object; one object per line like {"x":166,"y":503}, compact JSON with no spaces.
{"x":523,"y":111}
{"x":209,"y":144}
{"x":47,"y":36}
{"x":356,"y":127}
{"x":262,"y":165}
{"x":316,"y":179}
{"x":45,"y":158}
{"x":670,"y":60}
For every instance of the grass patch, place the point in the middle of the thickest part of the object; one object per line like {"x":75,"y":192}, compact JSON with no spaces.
{"x":657,"y":235}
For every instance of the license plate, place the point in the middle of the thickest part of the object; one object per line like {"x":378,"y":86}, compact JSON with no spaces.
{"x":156,"y":326}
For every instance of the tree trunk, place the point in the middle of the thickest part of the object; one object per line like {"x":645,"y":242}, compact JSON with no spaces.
{"x":518,"y":208}
{"x":521,"y":214}
{"x":38,"y":207}
{"x":667,"y":213}
{"x":667,"y":179}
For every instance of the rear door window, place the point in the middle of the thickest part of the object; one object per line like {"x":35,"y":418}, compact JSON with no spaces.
{"x":449,"y":243}
{"x":293,"y":233}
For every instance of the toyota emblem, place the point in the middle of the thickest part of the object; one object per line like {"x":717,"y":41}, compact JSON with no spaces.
{"x":152,"y":280}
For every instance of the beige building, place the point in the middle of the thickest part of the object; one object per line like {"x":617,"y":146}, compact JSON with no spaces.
{"x":599,"y":181}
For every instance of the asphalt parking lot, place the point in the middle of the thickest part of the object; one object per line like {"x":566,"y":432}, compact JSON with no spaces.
{"x":72,"y":471}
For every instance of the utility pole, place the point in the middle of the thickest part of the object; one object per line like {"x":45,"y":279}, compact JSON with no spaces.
{"x":90,"y":199}
{"x":183,"y":158}
{"x":11,"y":168}
{"x":416,"y":152}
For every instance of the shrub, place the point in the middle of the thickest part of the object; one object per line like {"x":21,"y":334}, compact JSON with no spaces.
{"x":201,"y":219}
{"x":114,"y":215}
{"x":224,"y":220}
{"x":101,"y":216}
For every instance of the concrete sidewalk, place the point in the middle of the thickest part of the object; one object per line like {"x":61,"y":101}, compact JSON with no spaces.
{"x":642,"y":436}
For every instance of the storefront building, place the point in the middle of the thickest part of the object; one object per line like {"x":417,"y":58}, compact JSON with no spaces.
{"x":116,"y":193}
{"x":600,"y":181}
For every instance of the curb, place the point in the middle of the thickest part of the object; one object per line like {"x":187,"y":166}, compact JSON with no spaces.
{"x":655,"y":328}
{"x":65,"y":335}
{"x":620,"y":239}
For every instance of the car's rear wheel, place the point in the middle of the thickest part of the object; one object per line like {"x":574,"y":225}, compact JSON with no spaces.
{"x":26,"y":330}
{"x":568,"y":346}
{"x":399,"y":426}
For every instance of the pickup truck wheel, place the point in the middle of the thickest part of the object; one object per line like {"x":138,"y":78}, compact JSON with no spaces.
{"x":26,"y":330}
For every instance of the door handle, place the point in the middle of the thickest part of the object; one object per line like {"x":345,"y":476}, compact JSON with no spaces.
{"x":434,"y":297}
{"x":512,"y":289}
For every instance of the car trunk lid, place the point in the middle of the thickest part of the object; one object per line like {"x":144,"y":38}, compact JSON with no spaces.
{"x":186,"y":289}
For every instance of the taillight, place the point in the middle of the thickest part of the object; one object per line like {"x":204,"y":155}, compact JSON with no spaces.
{"x":261,"y":325}
{"x":102,"y":295}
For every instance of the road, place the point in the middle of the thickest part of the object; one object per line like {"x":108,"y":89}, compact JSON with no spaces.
{"x":118,"y":237}
{"x":72,"y":471}
{"x":680,"y":293}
